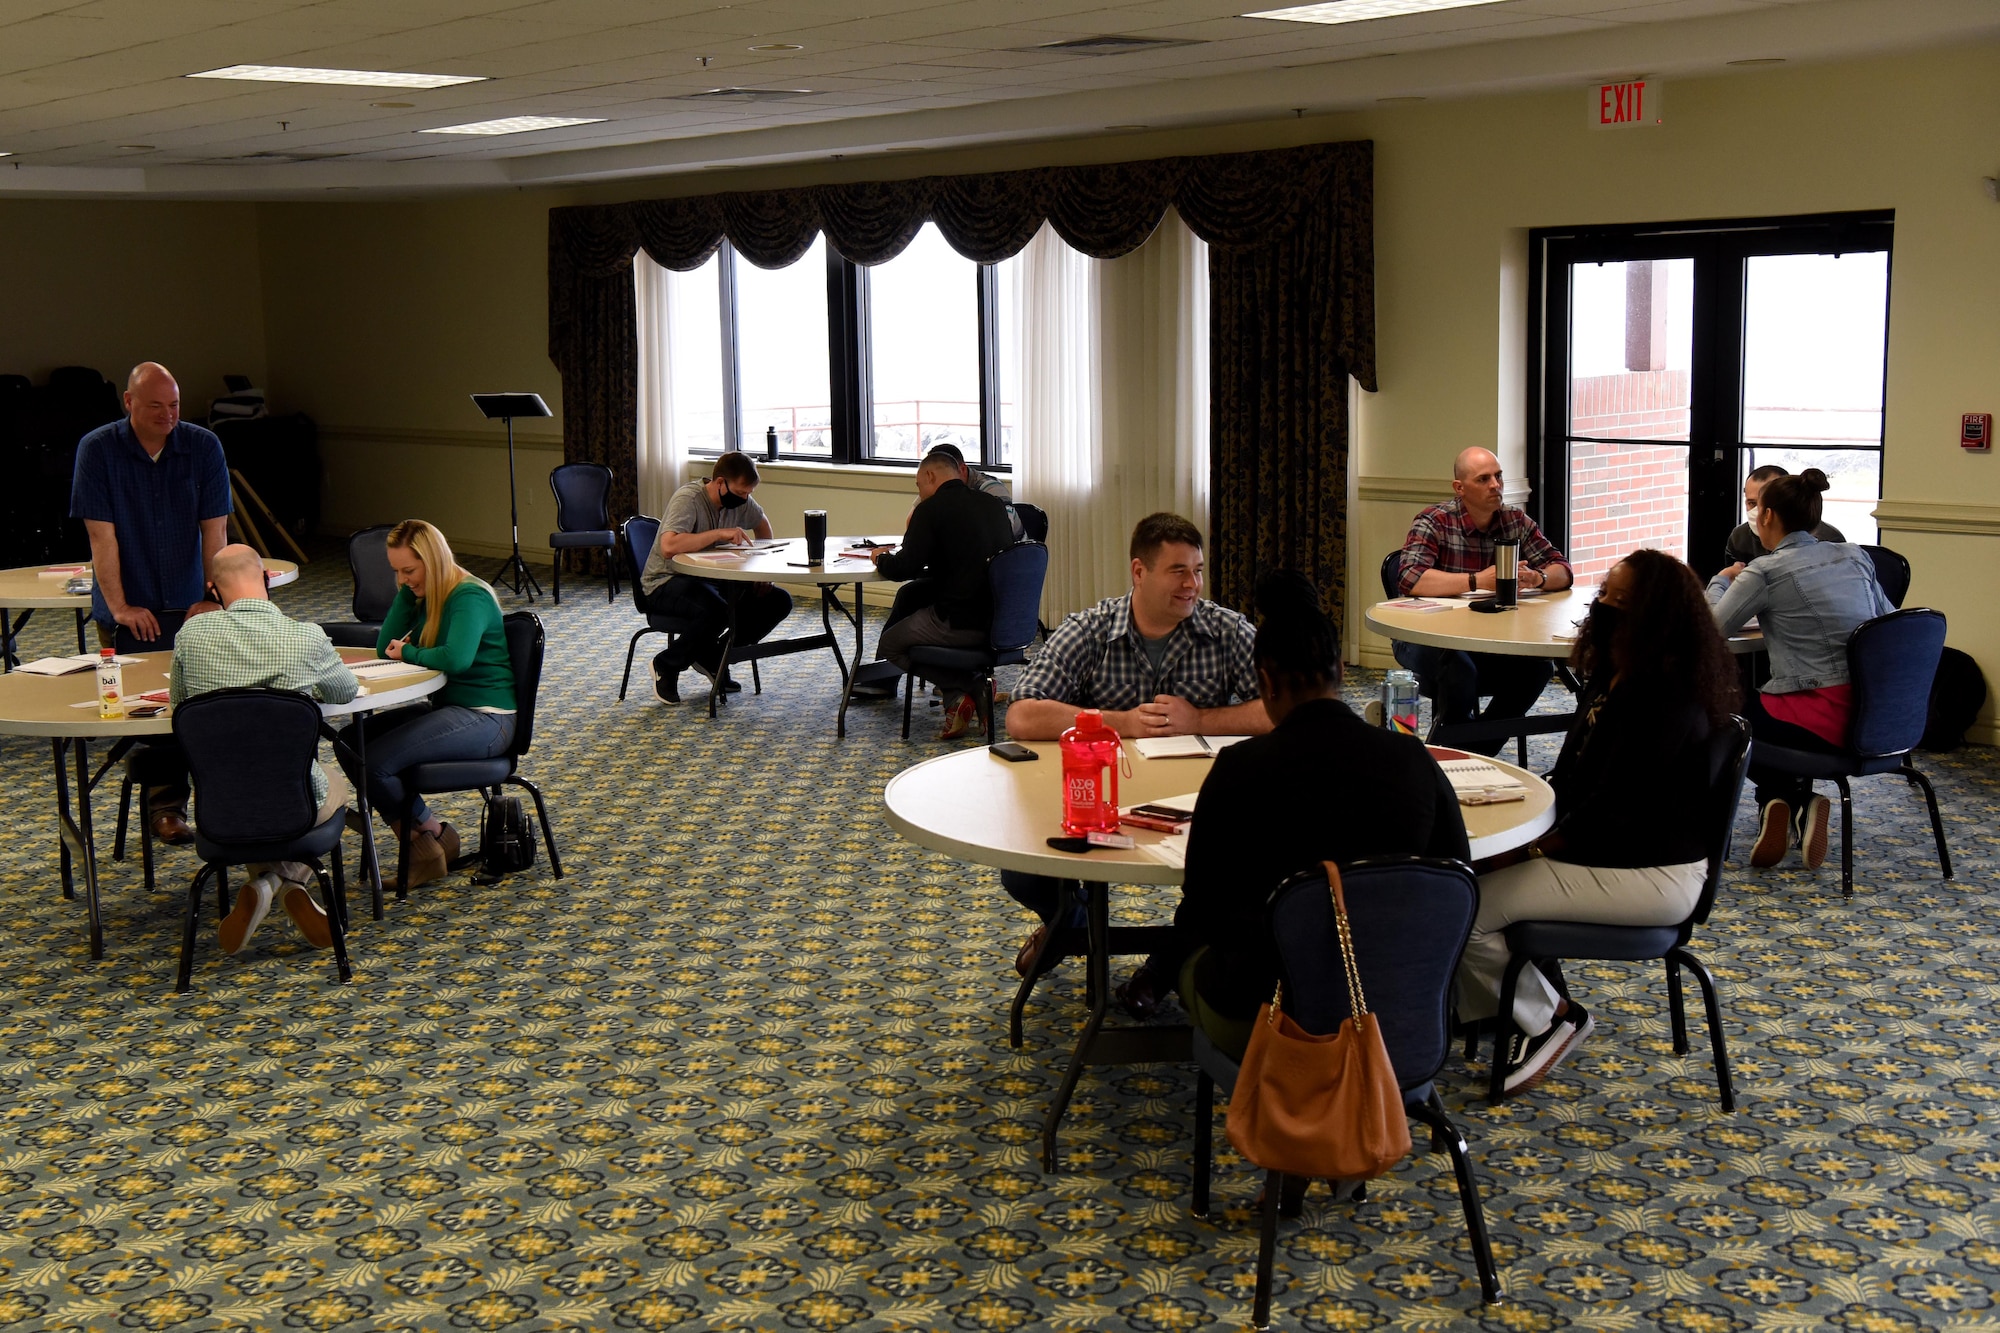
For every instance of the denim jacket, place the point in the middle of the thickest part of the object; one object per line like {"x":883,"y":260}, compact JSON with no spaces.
{"x":1808,"y":596}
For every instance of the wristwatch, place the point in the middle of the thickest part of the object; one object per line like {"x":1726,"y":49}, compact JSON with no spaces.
{"x":1472,"y":582}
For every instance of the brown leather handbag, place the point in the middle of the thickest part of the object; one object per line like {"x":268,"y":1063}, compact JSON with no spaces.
{"x":1321,"y":1106}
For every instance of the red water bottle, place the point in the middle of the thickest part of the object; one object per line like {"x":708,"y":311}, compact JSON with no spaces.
{"x":1090,"y":755}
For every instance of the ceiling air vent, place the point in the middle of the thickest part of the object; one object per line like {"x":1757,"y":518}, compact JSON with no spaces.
{"x":1110,"y":44}
{"x":745,"y":95}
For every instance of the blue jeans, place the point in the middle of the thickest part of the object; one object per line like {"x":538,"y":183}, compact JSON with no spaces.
{"x":405,"y":737}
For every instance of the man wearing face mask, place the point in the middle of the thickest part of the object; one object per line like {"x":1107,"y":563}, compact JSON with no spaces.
{"x":702,"y":515}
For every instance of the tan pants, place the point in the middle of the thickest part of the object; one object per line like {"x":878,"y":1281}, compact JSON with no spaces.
{"x":1549,"y":890}
{"x":298,"y":872}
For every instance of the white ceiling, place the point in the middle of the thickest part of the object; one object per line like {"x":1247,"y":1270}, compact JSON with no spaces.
{"x":93,"y":95}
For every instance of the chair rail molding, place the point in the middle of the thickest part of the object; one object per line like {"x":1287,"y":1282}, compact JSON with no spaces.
{"x":1968,"y":520}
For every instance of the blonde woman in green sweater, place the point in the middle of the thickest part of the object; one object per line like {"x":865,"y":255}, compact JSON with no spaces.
{"x":445,"y":619}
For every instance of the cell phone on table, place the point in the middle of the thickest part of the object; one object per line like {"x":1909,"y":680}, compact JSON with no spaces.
{"x":1154,"y":810}
{"x":1013,"y":752}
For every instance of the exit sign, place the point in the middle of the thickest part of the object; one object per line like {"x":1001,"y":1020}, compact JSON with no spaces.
{"x":1619,"y":106}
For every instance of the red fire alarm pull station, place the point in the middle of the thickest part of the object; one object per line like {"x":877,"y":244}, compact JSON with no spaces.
{"x":1975,"y":432}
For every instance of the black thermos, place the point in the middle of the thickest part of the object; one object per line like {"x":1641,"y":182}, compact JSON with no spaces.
{"x":771,"y":443}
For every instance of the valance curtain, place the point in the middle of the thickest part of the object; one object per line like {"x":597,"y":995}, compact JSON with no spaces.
{"x":1292,"y":299}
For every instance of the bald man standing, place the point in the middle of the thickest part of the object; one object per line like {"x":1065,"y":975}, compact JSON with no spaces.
{"x":153,"y":493}
{"x":1450,"y":551}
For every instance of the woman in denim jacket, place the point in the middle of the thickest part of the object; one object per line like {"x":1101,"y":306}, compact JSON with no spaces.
{"x":1807,"y":595}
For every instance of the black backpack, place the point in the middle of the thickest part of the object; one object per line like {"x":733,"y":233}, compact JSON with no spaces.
{"x":506,"y":837}
{"x":1957,"y":694}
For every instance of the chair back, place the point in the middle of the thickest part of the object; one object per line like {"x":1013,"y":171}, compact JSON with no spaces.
{"x":1410,"y":917}
{"x":1728,"y":761}
{"x":1016,"y":575}
{"x":640,"y":535}
{"x":1892,"y":571}
{"x":1034,"y":521}
{"x":1392,"y":573}
{"x":583,"y":497}
{"x":1893,"y":660}
{"x":374,"y":580}
{"x":526,"y":641}
{"x":251,"y":753}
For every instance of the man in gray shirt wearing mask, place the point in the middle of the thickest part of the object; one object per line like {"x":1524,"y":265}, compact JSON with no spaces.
{"x":701,"y":515}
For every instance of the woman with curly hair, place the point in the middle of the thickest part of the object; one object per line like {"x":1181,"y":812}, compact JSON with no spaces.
{"x":1629,"y":846}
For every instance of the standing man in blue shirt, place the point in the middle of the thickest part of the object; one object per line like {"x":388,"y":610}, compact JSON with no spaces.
{"x":153,"y":493}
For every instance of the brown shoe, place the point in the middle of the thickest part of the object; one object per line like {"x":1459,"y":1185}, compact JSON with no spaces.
{"x":1031,"y":949}
{"x":427,"y":860}
{"x":171,"y":827}
{"x":448,"y":836}
{"x":307,"y":915}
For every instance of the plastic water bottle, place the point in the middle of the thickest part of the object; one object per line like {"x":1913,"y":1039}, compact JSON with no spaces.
{"x":1399,"y":702}
{"x":110,"y":685}
{"x":1090,"y":755}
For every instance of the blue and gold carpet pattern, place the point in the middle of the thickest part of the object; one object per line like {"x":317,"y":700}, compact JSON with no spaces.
{"x":746,"y":1067}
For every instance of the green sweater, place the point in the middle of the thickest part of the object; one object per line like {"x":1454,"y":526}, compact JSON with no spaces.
{"x":471,"y":649}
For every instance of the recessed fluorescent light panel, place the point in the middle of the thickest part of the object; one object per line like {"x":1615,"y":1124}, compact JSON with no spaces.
{"x":515,"y":125}
{"x":364,"y":78}
{"x":1360,"y":11}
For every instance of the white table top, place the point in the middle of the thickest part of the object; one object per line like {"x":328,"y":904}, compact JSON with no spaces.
{"x":32,"y":705}
{"x":25,"y":589}
{"x":1543,"y":626}
{"x":782,"y":564}
{"x":978,"y":807}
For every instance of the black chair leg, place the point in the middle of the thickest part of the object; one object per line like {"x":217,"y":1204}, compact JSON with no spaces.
{"x":1204,"y":1138}
{"x":146,"y":850}
{"x":756,"y":678}
{"x":185,"y":980}
{"x":610,"y":575}
{"x":124,"y":813}
{"x":1846,"y":838}
{"x":909,"y":694}
{"x":1433,"y":1114}
{"x":1937,"y":820}
{"x":334,"y":925}
{"x":986,"y":686}
{"x":555,"y":577}
{"x":542,"y":817}
{"x":338,"y":905}
{"x":1676,"y":1009}
{"x":1715,"y":1036}
{"x":403,"y":840}
{"x":625,"y":680}
{"x":1267,"y":1250}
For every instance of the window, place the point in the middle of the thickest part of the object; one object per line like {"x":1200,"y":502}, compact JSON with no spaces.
{"x":843,"y":363}
{"x":1674,"y":359}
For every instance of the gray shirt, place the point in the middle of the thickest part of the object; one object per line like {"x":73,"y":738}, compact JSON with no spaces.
{"x":690,"y":510}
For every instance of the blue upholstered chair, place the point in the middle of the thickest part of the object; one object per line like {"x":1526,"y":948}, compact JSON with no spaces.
{"x":1410,"y":917}
{"x":583,"y":521}
{"x":1015,"y":576}
{"x":525,"y":643}
{"x":1544,"y":943}
{"x":251,"y":754}
{"x":1892,"y":660}
{"x":1892,"y":571}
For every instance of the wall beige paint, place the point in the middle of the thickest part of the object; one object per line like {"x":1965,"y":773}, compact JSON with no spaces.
{"x":381,"y":317}
{"x":108,"y":284}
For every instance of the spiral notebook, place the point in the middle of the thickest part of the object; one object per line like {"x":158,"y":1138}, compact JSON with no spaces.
{"x":1477,"y":782}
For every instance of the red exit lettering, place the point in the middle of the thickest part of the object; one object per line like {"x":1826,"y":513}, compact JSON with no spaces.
{"x":1618,"y":105}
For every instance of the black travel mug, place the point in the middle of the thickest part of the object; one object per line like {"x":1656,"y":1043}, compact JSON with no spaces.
{"x":815,"y":536}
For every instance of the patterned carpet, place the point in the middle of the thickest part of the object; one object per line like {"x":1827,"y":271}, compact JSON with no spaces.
{"x":745,"y":1067}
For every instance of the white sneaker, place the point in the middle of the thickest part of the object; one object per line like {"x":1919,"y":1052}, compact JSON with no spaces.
{"x":252,"y":902}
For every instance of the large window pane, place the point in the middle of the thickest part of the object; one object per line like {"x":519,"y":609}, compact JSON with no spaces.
{"x":694,"y":356}
{"x":1631,"y":349}
{"x":781,"y":351}
{"x":1854,"y":478}
{"x":923,"y":322}
{"x":1007,"y":297}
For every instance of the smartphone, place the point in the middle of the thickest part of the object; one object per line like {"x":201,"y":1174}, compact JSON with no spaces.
{"x":1169,"y":812}
{"x":1013,"y":752}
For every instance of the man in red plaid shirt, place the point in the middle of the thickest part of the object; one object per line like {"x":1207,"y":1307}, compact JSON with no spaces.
{"x":1450,"y":551}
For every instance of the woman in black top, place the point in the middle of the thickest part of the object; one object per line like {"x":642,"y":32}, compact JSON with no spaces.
{"x":1629,"y":844}
{"x":1322,"y":785}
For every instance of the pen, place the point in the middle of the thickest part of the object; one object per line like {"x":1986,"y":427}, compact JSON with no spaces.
{"x":1205,"y":747}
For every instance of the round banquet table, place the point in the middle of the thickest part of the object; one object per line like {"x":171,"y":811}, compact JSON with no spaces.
{"x":37,"y":705}
{"x":977,"y":807}
{"x":25,"y":590}
{"x":784,"y":562}
{"x":1543,"y":626}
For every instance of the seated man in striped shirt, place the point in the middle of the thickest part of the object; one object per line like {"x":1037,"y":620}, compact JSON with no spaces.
{"x":252,"y":643}
{"x":1450,"y":551}
{"x":1159,"y":661}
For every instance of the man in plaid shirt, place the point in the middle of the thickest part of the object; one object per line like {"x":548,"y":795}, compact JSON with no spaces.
{"x":1159,"y":661}
{"x":1450,"y":551}
{"x":252,"y":643}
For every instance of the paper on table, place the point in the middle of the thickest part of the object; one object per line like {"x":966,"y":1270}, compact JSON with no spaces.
{"x":1415,"y":604}
{"x":1477,"y":782}
{"x":1184,"y":747}
{"x":65,"y":666}
{"x":1171,"y":849}
{"x":383,"y":668}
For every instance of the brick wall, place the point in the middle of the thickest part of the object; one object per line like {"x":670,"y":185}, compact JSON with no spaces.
{"x":1625,"y":496}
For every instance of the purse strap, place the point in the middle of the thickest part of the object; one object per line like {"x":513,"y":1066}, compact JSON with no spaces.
{"x":1357,"y":1002}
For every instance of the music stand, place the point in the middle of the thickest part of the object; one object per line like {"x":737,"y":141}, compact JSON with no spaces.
{"x":507,"y":406}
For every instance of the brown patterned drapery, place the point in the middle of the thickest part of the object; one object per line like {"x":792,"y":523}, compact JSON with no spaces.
{"x":1292,"y":308}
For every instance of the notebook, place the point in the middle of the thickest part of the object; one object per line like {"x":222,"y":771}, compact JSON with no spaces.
{"x":68,"y":666}
{"x":1184,"y":747}
{"x":385,"y":668}
{"x":1477,"y":782}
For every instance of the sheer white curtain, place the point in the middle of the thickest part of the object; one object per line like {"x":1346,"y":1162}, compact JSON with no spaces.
{"x":1114,"y":401}
{"x":659,"y":453}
